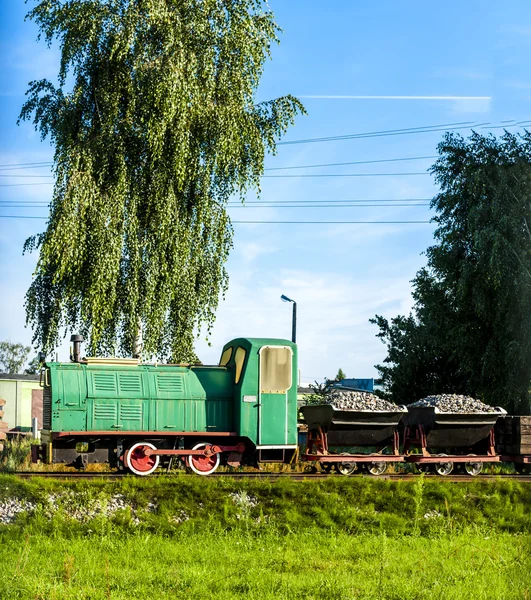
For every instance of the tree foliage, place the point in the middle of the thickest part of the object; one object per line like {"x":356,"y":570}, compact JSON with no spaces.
{"x":340,"y":375}
{"x":320,"y":391}
{"x":155,"y":126}
{"x":471,"y":327}
{"x":13,"y":356}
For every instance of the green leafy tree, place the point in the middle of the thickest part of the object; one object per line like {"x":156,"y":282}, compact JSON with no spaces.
{"x":157,"y":131}
{"x":320,"y":392}
{"x":471,"y":327}
{"x":340,"y":375}
{"x":33,"y":367}
{"x":13,"y":356}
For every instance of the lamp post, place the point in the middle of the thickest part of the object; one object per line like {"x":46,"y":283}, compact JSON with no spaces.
{"x":293,"y":319}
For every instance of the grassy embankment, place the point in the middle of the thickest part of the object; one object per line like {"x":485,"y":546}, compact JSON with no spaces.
{"x":332,"y":539}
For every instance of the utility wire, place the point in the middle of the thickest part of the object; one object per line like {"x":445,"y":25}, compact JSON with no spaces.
{"x":29,"y":165}
{"x":252,"y":202}
{"x":274,"y":222}
{"x":406,"y":131}
{"x":422,"y":129}
{"x":340,"y":164}
{"x":346,"y":175}
{"x":357,"y":162}
{"x":20,"y":184}
{"x":300,"y":205}
{"x":270,"y":176}
{"x":264,"y":176}
{"x":384,"y":132}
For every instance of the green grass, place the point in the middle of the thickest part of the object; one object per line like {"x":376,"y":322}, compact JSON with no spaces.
{"x":418,"y":507}
{"x":193,"y":537}
{"x":236,"y":565}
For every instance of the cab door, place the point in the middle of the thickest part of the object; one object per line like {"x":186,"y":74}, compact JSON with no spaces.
{"x":275,"y":380}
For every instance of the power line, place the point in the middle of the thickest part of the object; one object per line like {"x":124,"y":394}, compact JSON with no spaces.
{"x":28,"y":165}
{"x":421,"y":129}
{"x":346,"y":175}
{"x":20,"y":184}
{"x":384,"y":132}
{"x":268,"y":202}
{"x":358,"y":162}
{"x":296,"y":206}
{"x":330,"y":201}
{"x":263,"y":176}
{"x":331,"y":222}
{"x":270,"y":176}
{"x":27,"y":176}
{"x":275,"y":222}
{"x":332,"y":206}
{"x":340,"y":164}
{"x":406,"y":131}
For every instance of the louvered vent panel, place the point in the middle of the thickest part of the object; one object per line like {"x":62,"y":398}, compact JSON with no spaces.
{"x":105,"y":411}
{"x":130,"y":383}
{"x":105,"y":382}
{"x":47,"y":407}
{"x":130,"y":413}
{"x":170,"y":384}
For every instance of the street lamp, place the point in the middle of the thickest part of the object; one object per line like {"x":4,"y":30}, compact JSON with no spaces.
{"x":294,"y":318}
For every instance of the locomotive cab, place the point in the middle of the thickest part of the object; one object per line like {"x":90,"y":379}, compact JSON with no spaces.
{"x":265,"y":394}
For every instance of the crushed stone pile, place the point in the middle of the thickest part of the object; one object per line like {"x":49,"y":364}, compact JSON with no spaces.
{"x":352,"y":400}
{"x":454,"y":403}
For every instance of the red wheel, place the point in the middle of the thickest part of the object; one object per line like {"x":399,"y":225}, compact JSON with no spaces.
{"x":203,"y":465}
{"x":137,"y":461}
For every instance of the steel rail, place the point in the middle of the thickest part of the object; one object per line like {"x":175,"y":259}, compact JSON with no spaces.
{"x":273,"y":476}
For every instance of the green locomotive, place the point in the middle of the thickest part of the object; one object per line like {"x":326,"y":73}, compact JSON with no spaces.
{"x":132,"y":415}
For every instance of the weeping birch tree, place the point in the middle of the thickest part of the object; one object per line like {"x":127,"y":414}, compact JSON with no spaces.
{"x":155,"y":126}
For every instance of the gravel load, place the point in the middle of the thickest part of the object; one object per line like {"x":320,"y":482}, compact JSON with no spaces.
{"x":352,"y":400}
{"x":454,"y":403}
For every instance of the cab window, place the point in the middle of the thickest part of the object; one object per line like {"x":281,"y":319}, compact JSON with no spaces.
{"x":275,"y":369}
{"x":225,"y":357}
{"x":239,"y":359}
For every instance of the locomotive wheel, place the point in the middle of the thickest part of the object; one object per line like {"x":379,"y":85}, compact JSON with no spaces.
{"x":137,"y":461}
{"x":376,"y":468}
{"x":325,"y":467}
{"x":345,"y":468}
{"x":443,"y":468}
{"x":473,"y":468}
{"x":203,"y":465}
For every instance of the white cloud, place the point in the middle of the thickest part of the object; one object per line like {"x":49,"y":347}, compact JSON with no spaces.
{"x":332,"y":320}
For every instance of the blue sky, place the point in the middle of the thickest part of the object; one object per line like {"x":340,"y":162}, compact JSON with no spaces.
{"x":359,"y":66}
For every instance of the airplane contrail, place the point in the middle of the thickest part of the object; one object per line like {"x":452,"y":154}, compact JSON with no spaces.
{"x":450,"y":98}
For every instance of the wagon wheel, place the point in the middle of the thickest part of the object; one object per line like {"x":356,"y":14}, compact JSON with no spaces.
{"x":473,"y":468}
{"x":522,"y":468}
{"x":423,"y":467}
{"x":137,"y":461}
{"x":345,"y":468}
{"x":443,"y":468}
{"x":376,"y":468}
{"x":203,"y":465}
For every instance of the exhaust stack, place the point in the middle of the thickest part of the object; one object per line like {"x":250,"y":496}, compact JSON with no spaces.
{"x":75,"y":356}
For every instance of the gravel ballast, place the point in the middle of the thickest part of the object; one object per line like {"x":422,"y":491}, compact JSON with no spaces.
{"x":353,"y":400}
{"x":454,"y":403}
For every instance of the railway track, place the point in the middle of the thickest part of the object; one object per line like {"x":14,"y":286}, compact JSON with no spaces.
{"x":271,"y":476}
